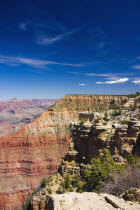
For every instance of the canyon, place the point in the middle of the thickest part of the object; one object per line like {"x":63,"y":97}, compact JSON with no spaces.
{"x":37,"y":149}
{"x":15,"y":113}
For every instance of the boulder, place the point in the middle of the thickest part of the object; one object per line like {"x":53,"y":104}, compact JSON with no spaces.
{"x":86,"y":200}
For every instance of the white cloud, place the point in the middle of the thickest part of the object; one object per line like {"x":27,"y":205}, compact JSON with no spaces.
{"x":114,"y":81}
{"x":99,"y":82}
{"x":136,"y":67}
{"x":110,"y":75}
{"x":99,"y":75}
{"x":46,"y":40}
{"x":110,"y":82}
{"x":15,"y":61}
{"x":81,"y":84}
{"x":122,"y":80}
{"x":136,"y":81}
{"x":23,"y":26}
{"x":117,"y":81}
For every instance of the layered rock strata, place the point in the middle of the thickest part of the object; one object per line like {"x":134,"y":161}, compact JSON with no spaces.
{"x":90,"y":138}
{"x":37,"y":149}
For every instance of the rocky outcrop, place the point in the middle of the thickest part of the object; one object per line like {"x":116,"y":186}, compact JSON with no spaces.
{"x":126,"y":139}
{"x":82,"y":201}
{"x":91,"y":137}
{"x":37,"y":149}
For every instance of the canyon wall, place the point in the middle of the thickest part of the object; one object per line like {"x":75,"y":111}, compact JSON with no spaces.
{"x":37,"y":149}
{"x":91,"y":139}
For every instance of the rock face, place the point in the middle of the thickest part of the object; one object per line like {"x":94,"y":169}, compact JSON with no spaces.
{"x":82,"y":201}
{"x":30,"y":154}
{"x":37,"y":149}
{"x":91,"y":138}
{"x":89,"y":102}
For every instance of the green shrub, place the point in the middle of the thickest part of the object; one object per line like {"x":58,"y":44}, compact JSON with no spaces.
{"x":100,"y":171}
{"x":114,"y":106}
{"x":133,"y":161}
{"x":106,"y":117}
{"x":66,"y":185}
{"x":70,"y":189}
{"x":67,"y":181}
{"x":117,"y":113}
{"x":82,"y":122}
{"x":49,"y":190}
{"x":135,"y":105}
{"x":96,"y":121}
{"x":27,"y":204}
{"x":78,"y":184}
{"x":43,"y":182}
{"x":129,"y":178}
{"x":134,"y":95}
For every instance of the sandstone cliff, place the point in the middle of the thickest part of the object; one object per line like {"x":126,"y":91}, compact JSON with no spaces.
{"x":37,"y":149}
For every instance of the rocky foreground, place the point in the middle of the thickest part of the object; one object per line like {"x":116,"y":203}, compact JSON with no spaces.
{"x":82,"y":201}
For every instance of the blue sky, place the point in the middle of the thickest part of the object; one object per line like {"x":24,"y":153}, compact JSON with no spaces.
{"x":51,"y":48}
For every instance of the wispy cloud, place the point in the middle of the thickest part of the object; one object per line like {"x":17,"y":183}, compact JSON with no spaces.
{"x":136,"y":81}
{"x":23,"y":26}
{"x":47,"y":40}
{"x":136,"y":67}
{"x":131,"y":61}
{"x":81,"y":84}
{"x":99,"y":75}
{"x":117,"y":81}
{"x":15,"y":61}
{"x":122,"y":80}
{"x":110,"y":75}
{"x":89,"y":74}
{"x":99,"y":82}
{"x":110,"y":82}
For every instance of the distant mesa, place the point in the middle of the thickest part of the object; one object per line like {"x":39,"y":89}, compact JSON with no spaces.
{"x":14,"y":113}
{"x":15,"y":100}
